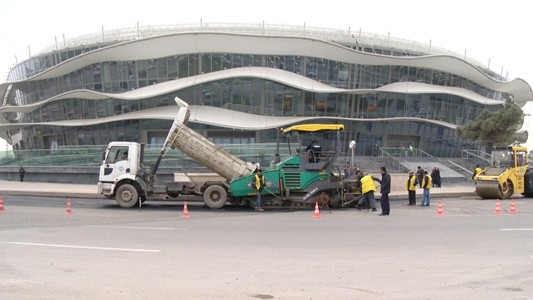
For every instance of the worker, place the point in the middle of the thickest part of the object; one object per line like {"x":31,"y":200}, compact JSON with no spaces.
{"x":385,"y":190}
{"x":426,"y":185}
{"x":258,"y":184}
{"x":420,"y":175}
{"x":125,"y":155}
{"x":313,"y":151}
{"x":367,"y":190}
{"x":435,"y":177}
{"x":411,"y":188}
{"x":477,"y":170}
{"x":22,"y":172}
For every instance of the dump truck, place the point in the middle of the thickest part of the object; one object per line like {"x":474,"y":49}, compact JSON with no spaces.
{"x":308,"y":175}
{"x":507,"y":175}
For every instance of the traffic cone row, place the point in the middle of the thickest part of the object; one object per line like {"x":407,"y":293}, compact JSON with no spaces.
{"x":317,"y":212}
{"x":497,"y":209}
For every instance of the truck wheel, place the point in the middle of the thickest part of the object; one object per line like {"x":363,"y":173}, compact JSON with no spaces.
{"x":215,"y":196}
{"x":127,"y":196}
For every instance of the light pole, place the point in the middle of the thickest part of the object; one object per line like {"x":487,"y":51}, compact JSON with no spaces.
{"x":352,"y":146}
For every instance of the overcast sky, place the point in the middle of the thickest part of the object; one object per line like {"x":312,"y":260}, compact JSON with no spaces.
{"x":499,"y":31}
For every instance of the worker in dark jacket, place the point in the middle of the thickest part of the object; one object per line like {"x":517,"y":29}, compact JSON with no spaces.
{"x":22,"y":172}
{"x":420,"y":175}
{"x":385,"y":190}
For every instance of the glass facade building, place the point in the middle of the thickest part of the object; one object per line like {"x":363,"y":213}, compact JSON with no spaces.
{"x":242,"y":82}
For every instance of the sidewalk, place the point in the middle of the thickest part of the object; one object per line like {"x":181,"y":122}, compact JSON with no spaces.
{"x":49,"y":189}
{"x":28,"y":188}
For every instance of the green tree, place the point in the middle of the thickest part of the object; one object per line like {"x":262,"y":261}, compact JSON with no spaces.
{"x":494,"y":128}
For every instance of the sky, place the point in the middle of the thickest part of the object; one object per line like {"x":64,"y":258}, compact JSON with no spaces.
{"x":497,"y":31}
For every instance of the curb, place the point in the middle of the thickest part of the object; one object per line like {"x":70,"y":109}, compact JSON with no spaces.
{"x":52,"y":194}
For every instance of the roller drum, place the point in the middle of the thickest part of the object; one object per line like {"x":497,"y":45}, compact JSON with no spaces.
{"x":488,"y":189}
{"x":493,"y":190}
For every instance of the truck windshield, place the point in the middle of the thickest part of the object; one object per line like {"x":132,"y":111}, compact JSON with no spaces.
{"x":116,"y":153}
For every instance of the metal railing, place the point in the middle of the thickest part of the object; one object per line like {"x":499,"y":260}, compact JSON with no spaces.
{"x":392,"y":159}
{"x":476,"y":156}
{"x":406,"y":152}
{"x":264,"y":153}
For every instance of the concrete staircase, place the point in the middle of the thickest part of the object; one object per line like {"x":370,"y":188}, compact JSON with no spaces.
{"x":369,"y":164}
{"x":452,"y":170}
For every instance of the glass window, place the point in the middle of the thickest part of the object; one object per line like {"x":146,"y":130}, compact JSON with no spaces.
{"x":322,"y":69}
{"x":226,"y":61}
{"x":193,"y":65}
{"x":162,"y":69}
{"x":237,"y":60}
{"x":205,"y":62}
{"x":247,"y":60}
{"x":142,"y":69}
{"x":152,"y":70}
{"x":172,"y":65}
{"x":183,"y":66}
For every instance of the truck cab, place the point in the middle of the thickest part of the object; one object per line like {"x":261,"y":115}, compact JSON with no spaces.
{"x":121,"y":164}
{"x":121,"y":159}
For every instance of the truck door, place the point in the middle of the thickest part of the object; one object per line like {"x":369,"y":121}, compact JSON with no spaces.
{"x":117,"y":162}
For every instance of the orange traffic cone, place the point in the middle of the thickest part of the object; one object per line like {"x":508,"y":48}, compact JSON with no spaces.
{"x":440,"y":212}
{"x":2,"y":203}
{"x":513,"y":208}
{"x":317,"y":212}
{"x":497,"y":209}
{"x":69,"y":207}
{"x":185,"y":214}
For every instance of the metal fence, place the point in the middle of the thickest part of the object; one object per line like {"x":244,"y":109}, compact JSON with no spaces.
{"x":263,"y":153}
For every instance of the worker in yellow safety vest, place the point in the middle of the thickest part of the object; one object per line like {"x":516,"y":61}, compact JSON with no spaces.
{"x":258,"y":184}
{"x":426,"y":185}
{"x":411,"y":188}
{"x":367,"y":190}
{"x":477,"y":170}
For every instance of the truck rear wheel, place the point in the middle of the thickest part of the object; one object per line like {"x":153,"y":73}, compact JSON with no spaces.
{"x":215,"y":196}
{"x":127,"y":196}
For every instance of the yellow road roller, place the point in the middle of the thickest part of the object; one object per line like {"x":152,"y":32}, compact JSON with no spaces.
{"x":508,"y":174}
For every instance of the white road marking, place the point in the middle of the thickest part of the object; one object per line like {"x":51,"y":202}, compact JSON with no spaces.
{"x":137,"y":228}
{"x":83,"y":247}
{"x":516,"y":229}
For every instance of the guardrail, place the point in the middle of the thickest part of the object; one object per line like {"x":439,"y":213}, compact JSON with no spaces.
{"x":392,"y":160}
{"x":405,"y":152}
{"x":476,"y":156}
{"x":92,"y":155}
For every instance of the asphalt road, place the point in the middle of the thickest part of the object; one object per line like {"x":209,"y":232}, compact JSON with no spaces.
{"x":101,"y":251}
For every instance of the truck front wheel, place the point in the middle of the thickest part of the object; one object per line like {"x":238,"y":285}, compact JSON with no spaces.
{"x":215,"y":196}
{"x":127,"y":196}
